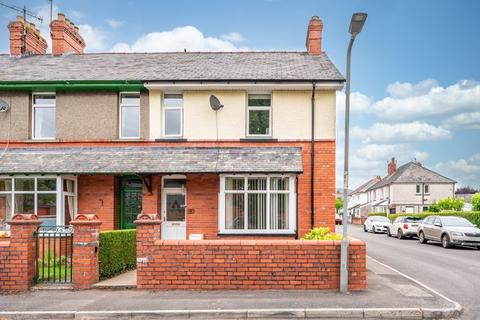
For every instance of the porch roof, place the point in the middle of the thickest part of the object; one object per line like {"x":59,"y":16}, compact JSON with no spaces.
{"x":168,"y":160}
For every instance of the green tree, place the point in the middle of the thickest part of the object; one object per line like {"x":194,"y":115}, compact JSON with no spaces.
{"x":338,"y":204}
{"x":476,"y":201}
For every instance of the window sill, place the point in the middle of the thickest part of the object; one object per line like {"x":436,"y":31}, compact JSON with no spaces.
{"x":259,"y":139}
{"x":180,"y":139}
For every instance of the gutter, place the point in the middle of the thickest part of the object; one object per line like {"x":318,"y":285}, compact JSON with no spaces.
{"x":72,"y":85}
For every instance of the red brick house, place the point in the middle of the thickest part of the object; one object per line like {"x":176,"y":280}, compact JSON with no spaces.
{"x":119,"y":134}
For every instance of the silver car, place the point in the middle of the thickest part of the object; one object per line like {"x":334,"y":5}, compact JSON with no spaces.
{"x":450,"y":231}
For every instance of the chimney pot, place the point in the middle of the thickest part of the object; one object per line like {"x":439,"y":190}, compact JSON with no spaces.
{"x":314,"y":36}
{"x":392,"y":166}
{"x":61,"y":16}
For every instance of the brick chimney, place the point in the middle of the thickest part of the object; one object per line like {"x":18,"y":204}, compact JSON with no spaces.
{"x":392,"y":166}
{"x":65,"y":37}
{"x":314,"y":36}
{"x":34,"y":43}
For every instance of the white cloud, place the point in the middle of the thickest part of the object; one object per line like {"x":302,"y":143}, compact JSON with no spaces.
{"x":114,"y":23}
{"x":401,"y":132}
{"x":468,"y":120}
{"x":233,"y":37}
{"x":465,"y":171}
{"x":94,"y":37}
{"x":178,"y":39}
{"x":358,"y":102}
{"x":407,"y":90}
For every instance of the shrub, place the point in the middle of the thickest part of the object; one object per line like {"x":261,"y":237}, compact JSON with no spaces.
{"x":472,"y":216}
{"x":117,"y":252}
{"x":377,"y":214}
{"x":476,"y":201}
{"x":449,"y":203}
{"x":321,"y":234}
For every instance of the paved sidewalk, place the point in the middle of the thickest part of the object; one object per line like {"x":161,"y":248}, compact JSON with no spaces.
{"x":127,"y":280}
{"x":397,"y":296}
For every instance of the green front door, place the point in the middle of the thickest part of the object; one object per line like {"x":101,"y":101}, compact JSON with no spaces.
{"x":130,"y":201}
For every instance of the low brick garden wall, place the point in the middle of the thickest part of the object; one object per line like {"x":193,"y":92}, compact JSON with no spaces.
{"x":242,"y":264}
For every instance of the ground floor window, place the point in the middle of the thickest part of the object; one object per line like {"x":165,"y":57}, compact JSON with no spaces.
{"x":51,"y":198}
{"x":257,"y":204}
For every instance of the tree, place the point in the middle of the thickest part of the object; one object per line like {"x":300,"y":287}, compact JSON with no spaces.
{"x":449,"y":203}
{"x":476,"y":201}
{"x":338,"y":204}
{"x":466,"y":190}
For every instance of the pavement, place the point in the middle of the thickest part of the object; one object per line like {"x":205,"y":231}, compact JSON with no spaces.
{"x":127,"y":280}
{"x":390,"y":295}
{"x":454,"y":272}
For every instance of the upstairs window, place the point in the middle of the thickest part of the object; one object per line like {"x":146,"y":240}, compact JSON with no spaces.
{"x":418,"y":189}
{"x":259,"y":115}
{"x":172,"y":115}
{"x":426,"y":189}
{"x":44,"y":106}
{"x":130,"y":115}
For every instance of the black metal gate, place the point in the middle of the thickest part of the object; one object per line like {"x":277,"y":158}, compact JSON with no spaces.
{"x":53,"y":263}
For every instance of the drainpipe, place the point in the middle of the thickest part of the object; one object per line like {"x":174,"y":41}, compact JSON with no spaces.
{"x":312,"y":166}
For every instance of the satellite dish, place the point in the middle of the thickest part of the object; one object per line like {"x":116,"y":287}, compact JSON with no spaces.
{"x":4,"y":107}
{"x":215,"y":103}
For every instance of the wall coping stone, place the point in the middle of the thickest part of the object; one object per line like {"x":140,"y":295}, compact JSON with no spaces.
{"x":26,"y":219}
{"x":148,"y":218}
{"x":352,"y":242}
{"x":86,"y":219}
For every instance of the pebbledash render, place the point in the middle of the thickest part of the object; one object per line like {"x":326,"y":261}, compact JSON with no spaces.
{"x":118,"y":134}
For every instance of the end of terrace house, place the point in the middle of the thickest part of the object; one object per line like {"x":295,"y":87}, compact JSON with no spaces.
{"x":122,"y":134}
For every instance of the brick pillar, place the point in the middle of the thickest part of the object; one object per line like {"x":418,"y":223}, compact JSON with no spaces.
{"x":21,"y":260}
{"x":86,"y":229}
{"x":148,"y":231}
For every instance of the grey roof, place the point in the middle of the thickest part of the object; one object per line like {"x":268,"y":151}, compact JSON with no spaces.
{"x":150,"y":160}
{"x":170,"y":66}
{"x":365,"y":186}
{"x":412,"y":172}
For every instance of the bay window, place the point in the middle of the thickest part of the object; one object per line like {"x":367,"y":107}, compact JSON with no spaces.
{"x":257,"y":204}
{"x":51,"y":198}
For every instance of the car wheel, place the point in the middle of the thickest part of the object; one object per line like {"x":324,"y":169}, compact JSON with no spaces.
{"x":400,"y":234}
{"x":374,"y":230}
{"x":388,"y":232}
{"x":446,"y":243}
{"x":365,"y":228}
{"x":421,"y":237}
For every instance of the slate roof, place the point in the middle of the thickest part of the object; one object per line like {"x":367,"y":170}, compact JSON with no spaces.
{"x":177,"y":66}
{"x":364,"y":187}
{"x":116,"y":160}
{"x":412,"y":172}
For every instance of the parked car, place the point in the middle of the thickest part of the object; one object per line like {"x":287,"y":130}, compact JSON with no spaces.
{"x":404,"y":227}
{"x":450,"y":231}
{"x":376,"y":224}
{"x":338,"y":219}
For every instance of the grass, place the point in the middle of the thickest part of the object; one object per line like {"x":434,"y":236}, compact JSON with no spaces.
{"x":61,"y":272}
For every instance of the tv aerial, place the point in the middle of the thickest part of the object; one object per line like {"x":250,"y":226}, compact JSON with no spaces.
{"x":215,"y":104}
{"x":4,"y":107}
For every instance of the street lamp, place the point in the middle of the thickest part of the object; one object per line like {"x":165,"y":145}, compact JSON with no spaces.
{"x":356,"y":25}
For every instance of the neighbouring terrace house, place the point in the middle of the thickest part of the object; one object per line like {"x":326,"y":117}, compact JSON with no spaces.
{"x":117,"y":134}
{"x":410,"y":188}
{"x":358,"y":204}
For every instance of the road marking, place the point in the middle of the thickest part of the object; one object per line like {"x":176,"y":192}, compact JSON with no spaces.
{"x":456,"y":304}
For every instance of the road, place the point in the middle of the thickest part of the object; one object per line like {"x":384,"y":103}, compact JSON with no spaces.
{"x":452,"y":272}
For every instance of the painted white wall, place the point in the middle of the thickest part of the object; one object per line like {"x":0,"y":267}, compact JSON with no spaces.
{"x":406,"y":193}
{"x":291,"y":115}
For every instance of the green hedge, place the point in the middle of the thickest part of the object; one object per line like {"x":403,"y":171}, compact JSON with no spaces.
{"x":117,"y":252}
{"x":472,"y":216}
{"x":377,"y":214}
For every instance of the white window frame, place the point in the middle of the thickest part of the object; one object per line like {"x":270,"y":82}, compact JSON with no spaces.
{"x":122,"y":105}
{"x":58,"y":192}
{"x":292,"y":216}
{"x":164,"y":108}
{"x":263,"y":108}
{"x":35,"y":106}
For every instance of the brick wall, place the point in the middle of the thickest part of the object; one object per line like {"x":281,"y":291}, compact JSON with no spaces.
{"x":246,"y":264}
{"x":17,"y":256}
{"x":99,"y":195}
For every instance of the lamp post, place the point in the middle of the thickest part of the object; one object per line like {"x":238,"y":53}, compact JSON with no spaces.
{"x":356,"y":25}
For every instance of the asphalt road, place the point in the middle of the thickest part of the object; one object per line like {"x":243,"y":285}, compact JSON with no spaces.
{"x":454,"y":272}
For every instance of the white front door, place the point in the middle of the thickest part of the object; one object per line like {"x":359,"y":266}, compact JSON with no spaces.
{"x":173,"y":214}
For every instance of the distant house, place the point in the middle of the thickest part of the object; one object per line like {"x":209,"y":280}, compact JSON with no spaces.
{"x":358,"y":204}
{"x":411,"y":188}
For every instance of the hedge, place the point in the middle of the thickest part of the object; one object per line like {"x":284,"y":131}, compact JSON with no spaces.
{"x":117,"y":252}
{"x":472,"y":216}
{"x":377,"y":214}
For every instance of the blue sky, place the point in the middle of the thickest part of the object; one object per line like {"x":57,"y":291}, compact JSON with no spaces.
{"x":415,"y":69}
